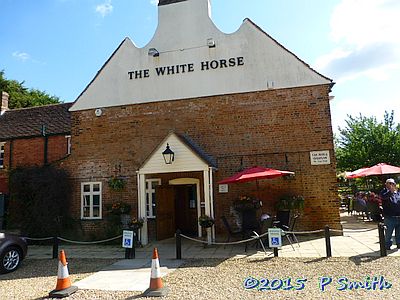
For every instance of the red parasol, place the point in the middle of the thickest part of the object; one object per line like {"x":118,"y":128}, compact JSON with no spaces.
{"x":354,"y":173}
{"x":255,"y":173}
{"x":379,"y":169}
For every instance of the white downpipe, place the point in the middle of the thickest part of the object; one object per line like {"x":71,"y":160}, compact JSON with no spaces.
{"x":210,"y":170}
{"x":142,"y":206}
{"x":207,"y":201}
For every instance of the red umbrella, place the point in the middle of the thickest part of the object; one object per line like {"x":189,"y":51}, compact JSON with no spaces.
{"x":379,"y":169}
{"x":354,"y":173}
{"x":255,"y":173}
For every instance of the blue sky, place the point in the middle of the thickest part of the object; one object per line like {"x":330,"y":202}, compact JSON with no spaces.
{"x":59,"y":45}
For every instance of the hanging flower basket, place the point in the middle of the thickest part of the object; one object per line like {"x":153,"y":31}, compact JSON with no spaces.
{"x":206,"y":221}
{"x":116,"y":183}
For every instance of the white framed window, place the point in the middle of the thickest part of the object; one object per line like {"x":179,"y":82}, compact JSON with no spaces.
{"x":68,"y":137}
{"x":2,"y":145}
{"x":91,"y":200}
{"x":151,"y":196}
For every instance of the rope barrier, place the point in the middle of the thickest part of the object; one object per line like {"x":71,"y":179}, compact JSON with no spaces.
{"x":89,"y":243}
{"x":305,"y":232}
{"x":230,"y":243}
{"x":38,"y":239}
{"x":353,"y":230}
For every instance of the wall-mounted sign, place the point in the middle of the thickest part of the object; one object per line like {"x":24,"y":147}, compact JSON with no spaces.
{"x":223,"y":188}
{"x":187,"y":68}
{"x":320,"y":157}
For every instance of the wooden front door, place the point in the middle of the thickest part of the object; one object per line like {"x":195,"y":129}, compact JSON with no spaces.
{"x":165,"y":203}
{"x":186,"y":208}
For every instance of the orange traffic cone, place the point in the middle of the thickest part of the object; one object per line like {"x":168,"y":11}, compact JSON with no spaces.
{"x":156,"y":288}
{"x":63,"y":287}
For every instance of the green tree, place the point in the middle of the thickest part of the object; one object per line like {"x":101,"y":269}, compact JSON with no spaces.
{"x":21,"y":97}
{"x":365,"y":142}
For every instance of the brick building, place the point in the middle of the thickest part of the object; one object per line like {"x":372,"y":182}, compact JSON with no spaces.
{"x":31,"y":136}
{"x":220,"y":102}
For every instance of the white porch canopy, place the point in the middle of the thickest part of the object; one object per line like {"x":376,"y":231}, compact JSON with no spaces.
{"x":188,"y":158}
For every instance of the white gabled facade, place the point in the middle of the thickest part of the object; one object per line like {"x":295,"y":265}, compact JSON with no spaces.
{"x":244,"y":61}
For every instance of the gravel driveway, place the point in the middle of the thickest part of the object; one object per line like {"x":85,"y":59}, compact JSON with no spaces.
{"x":224,"y":279}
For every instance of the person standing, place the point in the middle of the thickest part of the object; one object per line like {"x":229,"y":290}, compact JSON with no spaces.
{"x":391,"y":212}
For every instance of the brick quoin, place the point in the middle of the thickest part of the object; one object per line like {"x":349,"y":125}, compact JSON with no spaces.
{"x":276,"y":128}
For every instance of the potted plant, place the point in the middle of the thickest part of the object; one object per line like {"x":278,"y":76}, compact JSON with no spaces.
{"x":137,"y":223}
{"x":120,"y":207}
{"x":287,"y":206}
{"x":244,"y":203}
{"x":287,"y":203}
{"x":206,"y":221}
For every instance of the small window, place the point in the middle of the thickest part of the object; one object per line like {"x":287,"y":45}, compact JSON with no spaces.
{"x":2,"y":145}
{"x":91,"y":200}
{"x":151,"y":196}
{"x":68,"y":137}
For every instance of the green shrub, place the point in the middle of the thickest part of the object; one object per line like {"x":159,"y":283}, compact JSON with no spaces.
{"x":40,"y":201}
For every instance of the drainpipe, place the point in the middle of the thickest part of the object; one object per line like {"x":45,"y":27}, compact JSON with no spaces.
{"x":10,"y":158}
{"x":46,"y":143}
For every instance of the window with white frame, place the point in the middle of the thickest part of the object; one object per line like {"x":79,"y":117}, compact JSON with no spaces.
{"x":68,"y":138}
{"x":151,"y":197}
{"x":91,"y":200}
{"x":2,"y":145}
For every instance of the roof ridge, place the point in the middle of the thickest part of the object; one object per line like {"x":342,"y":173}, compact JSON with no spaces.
{"x":39,"y":106}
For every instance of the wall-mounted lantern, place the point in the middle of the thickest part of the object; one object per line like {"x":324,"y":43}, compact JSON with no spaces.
{"x":168,"y":155}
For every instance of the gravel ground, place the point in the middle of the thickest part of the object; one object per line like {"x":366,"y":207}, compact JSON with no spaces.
{"x":221,"y":279}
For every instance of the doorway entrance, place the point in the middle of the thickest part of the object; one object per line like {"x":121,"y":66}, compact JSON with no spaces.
{"x":177,"y":208}
{"x":186,"y":209}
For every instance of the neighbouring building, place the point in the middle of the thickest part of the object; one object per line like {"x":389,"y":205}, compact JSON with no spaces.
{"x":220,"y":102}
{"x":31,"y":136}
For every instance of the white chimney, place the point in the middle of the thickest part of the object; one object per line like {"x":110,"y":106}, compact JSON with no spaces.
{"x":4,"y":102}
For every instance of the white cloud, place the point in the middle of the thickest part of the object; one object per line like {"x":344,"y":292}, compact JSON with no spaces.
{"x":154,"y":2}
{"x":104,"y":8}
{"x":365,"y":33}
{"x":342,"y":107}
{"x":23,"y":56}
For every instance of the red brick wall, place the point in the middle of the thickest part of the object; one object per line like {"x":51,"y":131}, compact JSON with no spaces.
{"x":274,"y":128}
{"x":30,"y":152}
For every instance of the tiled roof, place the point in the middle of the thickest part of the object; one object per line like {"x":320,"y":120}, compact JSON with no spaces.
{"x":198,"y":150}
{"x":28,"y":122}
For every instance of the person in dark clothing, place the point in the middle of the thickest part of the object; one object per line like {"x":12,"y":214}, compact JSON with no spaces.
{"x":391,"y":212}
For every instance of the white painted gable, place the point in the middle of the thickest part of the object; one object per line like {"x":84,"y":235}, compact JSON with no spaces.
{"x":186,"y":160}
{"x":244,"y":61}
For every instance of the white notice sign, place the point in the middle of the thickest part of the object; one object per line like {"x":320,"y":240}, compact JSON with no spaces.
{"x":320,"y":157}
{"x":223,"y":188}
